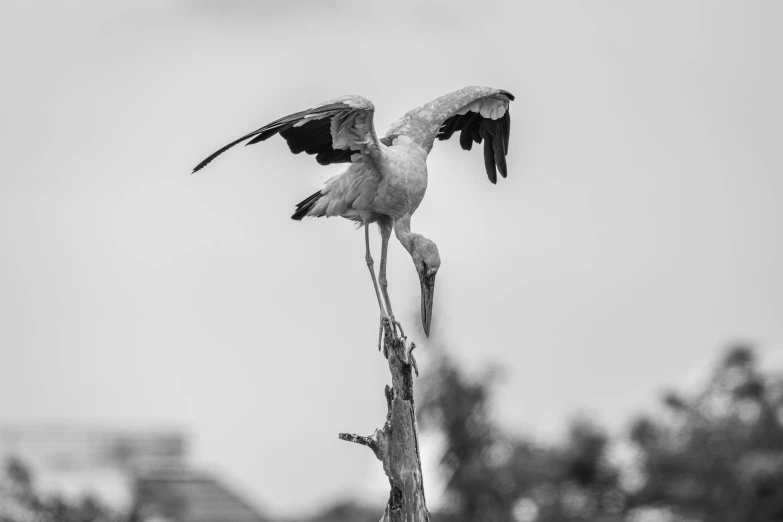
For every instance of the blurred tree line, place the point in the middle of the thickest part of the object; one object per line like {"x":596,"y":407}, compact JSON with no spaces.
{"x":21,"y":502}
{"x":712,"y":456}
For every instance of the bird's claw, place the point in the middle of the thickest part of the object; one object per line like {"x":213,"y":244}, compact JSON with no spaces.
{"x":388,"y":328}
{"x":396,"y":324}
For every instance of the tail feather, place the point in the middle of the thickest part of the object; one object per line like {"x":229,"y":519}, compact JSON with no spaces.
{"x":305,"y":206}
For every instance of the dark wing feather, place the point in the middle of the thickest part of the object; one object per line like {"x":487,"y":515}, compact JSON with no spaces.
{"x":309,"y":138}
{"x":451,"y":125}
{"x":489,"y":158}
{"x":475,"y":128}
{"x":475,"y":133}
{"x":499,"y":148}
{"x":466,"y":139}
{"x":505,"y":123}
{"x":307,"y":131}
{"x":327,"y":157}
{"x":472,"y":119}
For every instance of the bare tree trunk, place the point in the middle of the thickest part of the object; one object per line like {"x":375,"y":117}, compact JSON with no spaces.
{"x":397,"y":444}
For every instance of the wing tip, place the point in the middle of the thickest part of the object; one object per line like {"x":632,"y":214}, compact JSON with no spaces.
{"x":201,"y":165}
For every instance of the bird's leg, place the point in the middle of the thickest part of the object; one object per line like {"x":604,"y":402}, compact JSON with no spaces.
{"x":368,"y":258}
{"x":385,"y":235}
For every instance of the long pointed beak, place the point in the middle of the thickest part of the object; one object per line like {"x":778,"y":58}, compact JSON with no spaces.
{"x":427,"y":293}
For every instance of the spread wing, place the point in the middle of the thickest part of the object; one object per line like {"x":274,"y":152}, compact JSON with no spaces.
{"x":478,"y":113}
{"x":333,"y":131}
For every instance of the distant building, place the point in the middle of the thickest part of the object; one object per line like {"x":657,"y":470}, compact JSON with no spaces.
{"x":185,"y":496}
{"x":144,"y":472}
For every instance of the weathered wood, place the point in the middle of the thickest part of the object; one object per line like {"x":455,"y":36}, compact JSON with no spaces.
{"x":396,"y":445}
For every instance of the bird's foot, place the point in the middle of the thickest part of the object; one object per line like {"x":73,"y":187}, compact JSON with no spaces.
{"x":395,"y":325}
{"x":388,"y":328}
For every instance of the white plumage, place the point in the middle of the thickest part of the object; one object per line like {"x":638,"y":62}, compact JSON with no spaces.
{"x":387,"y":177}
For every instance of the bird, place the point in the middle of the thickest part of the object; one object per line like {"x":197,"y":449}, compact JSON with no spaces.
{"x":387,"y":177}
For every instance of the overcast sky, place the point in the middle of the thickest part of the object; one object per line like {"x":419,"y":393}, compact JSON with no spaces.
{"x":640,"y":228}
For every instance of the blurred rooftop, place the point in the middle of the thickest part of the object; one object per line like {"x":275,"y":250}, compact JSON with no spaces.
{"x":146,"y":471}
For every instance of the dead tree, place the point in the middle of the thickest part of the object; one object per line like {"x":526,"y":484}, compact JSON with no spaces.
{"x":396,"y":445}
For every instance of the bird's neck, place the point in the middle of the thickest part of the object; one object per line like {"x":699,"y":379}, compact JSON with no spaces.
{"x":402,"y":229}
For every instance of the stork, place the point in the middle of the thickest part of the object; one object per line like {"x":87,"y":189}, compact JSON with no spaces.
{"x":387,"y":177}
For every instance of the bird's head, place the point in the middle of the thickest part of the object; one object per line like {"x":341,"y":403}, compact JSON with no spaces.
{"x":426,"y":259}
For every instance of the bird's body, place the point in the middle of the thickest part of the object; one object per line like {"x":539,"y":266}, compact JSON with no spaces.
{"x":387,"y":177}
{"x":391,"y":185}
